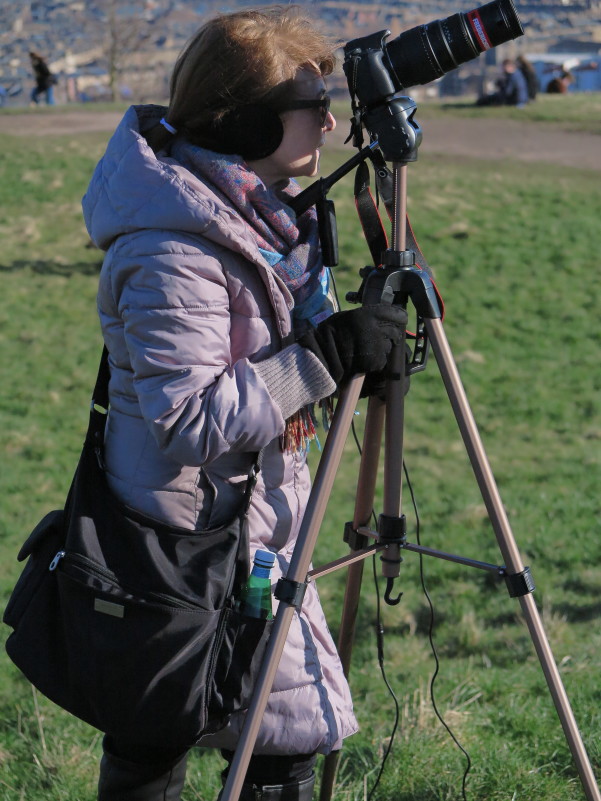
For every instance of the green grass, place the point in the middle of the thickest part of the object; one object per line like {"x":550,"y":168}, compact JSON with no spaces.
{"x":575,"y":112}
{"x":514,"y":248}
{"x":67,"y":108}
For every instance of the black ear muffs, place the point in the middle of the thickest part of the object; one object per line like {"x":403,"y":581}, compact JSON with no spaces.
{"x":253,"y":132}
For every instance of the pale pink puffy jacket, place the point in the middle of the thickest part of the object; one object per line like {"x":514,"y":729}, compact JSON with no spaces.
{"x":188,"y":305}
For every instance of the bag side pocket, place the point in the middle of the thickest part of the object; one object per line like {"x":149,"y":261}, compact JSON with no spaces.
{"x":41,"y":547}
{"x":238,"y":664}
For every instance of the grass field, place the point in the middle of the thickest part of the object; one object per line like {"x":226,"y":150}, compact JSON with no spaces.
{"x":582,"y":112}
{"x":516,"y":259}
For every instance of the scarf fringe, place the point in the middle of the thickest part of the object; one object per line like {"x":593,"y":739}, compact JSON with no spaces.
{"x":301,"y":427}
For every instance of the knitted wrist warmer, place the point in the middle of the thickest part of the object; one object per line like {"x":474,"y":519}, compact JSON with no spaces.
{"x":295,"y":377}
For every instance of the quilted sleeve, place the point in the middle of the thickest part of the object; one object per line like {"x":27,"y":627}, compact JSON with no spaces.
{"x":174,"y":306}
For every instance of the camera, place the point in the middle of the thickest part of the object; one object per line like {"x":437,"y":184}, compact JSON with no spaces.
{"x":376,"y":69}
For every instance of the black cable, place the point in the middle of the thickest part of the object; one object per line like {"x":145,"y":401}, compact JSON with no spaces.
{"x":432,"y":645}
{"x":380,"y":641}
{"x":380,"y":637}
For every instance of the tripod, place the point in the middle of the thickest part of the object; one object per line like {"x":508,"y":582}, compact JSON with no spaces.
{"x":398,"y":280}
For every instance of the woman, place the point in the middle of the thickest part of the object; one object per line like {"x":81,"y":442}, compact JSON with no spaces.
{"x":530,"y":76}
{"x":215,"y":310}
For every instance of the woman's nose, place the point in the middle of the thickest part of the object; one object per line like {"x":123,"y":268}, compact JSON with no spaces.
{"x":330,"y":122}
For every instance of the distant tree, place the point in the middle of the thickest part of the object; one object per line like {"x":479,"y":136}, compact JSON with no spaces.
{"x":127,"y":26}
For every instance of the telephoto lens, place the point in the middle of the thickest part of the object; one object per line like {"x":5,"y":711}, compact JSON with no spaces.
{"x":427,"y":52}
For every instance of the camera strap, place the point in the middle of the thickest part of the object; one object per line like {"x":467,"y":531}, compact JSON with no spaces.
{"x":371,"y":222}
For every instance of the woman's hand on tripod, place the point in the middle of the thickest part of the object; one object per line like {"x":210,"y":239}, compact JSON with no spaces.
{"x":358,"y":340}
{"x":375,"y":383}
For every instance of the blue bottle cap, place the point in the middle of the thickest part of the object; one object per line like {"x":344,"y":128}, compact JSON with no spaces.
{"x":264,"y":558}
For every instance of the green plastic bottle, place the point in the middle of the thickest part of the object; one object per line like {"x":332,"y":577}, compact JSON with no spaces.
{"x":255,"y":598}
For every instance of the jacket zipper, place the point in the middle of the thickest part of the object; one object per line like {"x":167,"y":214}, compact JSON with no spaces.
{"x":219,"y":635}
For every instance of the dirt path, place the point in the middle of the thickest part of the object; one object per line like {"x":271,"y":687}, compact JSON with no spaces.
{"x":522,"y":141}
{"x":475,"y":138}
{"x":512,"y":139}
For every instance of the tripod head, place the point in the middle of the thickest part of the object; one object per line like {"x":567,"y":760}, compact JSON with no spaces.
{"x":392,"y":125}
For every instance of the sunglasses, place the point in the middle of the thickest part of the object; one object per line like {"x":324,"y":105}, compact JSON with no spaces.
{"x":321,"y":103}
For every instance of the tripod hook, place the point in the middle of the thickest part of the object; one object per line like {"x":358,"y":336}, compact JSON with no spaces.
{"x":391,"y":601}
{"x":392,"y":532}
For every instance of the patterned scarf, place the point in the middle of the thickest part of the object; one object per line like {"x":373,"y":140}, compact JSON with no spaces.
{"x":289,"y":245}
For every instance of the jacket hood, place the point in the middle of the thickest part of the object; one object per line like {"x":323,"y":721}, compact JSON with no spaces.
{"x":133,"y":188}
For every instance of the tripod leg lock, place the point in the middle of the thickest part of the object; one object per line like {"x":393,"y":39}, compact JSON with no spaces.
{"x":398,"y":258}
{"x":392,"y":530}
{"x":519,"y":584}
{"x":290,"y":592}
{"x":354,"y":540}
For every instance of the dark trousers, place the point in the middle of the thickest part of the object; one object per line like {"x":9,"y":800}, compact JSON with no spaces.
{"x":270,"y":770}
{"x":131,"y":773}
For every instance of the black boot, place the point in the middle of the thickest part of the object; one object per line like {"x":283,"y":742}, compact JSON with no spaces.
{"x":301,"y":790}
{"x":122,"y":780}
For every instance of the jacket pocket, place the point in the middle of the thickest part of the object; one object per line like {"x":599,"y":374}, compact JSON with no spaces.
{"x":206,"y":493}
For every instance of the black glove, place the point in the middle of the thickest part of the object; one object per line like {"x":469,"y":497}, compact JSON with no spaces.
{"x":375,"y":383}
{"x":358,"y":340}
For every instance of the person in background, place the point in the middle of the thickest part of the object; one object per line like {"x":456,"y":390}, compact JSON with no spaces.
{"x":560,"y":84}
{"x":530,"y":76}
{"x":44,"y":80}
{"x":511,"y":88}
{"x":217,"y":314}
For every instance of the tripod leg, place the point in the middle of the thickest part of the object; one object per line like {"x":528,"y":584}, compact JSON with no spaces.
{"x":508,"y":547}
{"x":364,"y":501}
{"x":299,"y":567}
{"x":393,"y":461}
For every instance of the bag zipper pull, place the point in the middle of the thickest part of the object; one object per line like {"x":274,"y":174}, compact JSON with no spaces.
{"x":54,"y":564}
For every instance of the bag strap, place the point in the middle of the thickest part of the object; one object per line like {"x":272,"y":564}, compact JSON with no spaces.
{"x":251,"y":481}
{"x":100,"y":395}
{"x":99,"y":407}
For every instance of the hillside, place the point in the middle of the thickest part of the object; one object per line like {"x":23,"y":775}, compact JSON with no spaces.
{"x":146,"y":36}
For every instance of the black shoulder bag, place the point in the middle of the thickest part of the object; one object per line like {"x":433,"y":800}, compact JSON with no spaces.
{"x":131,"y":624}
